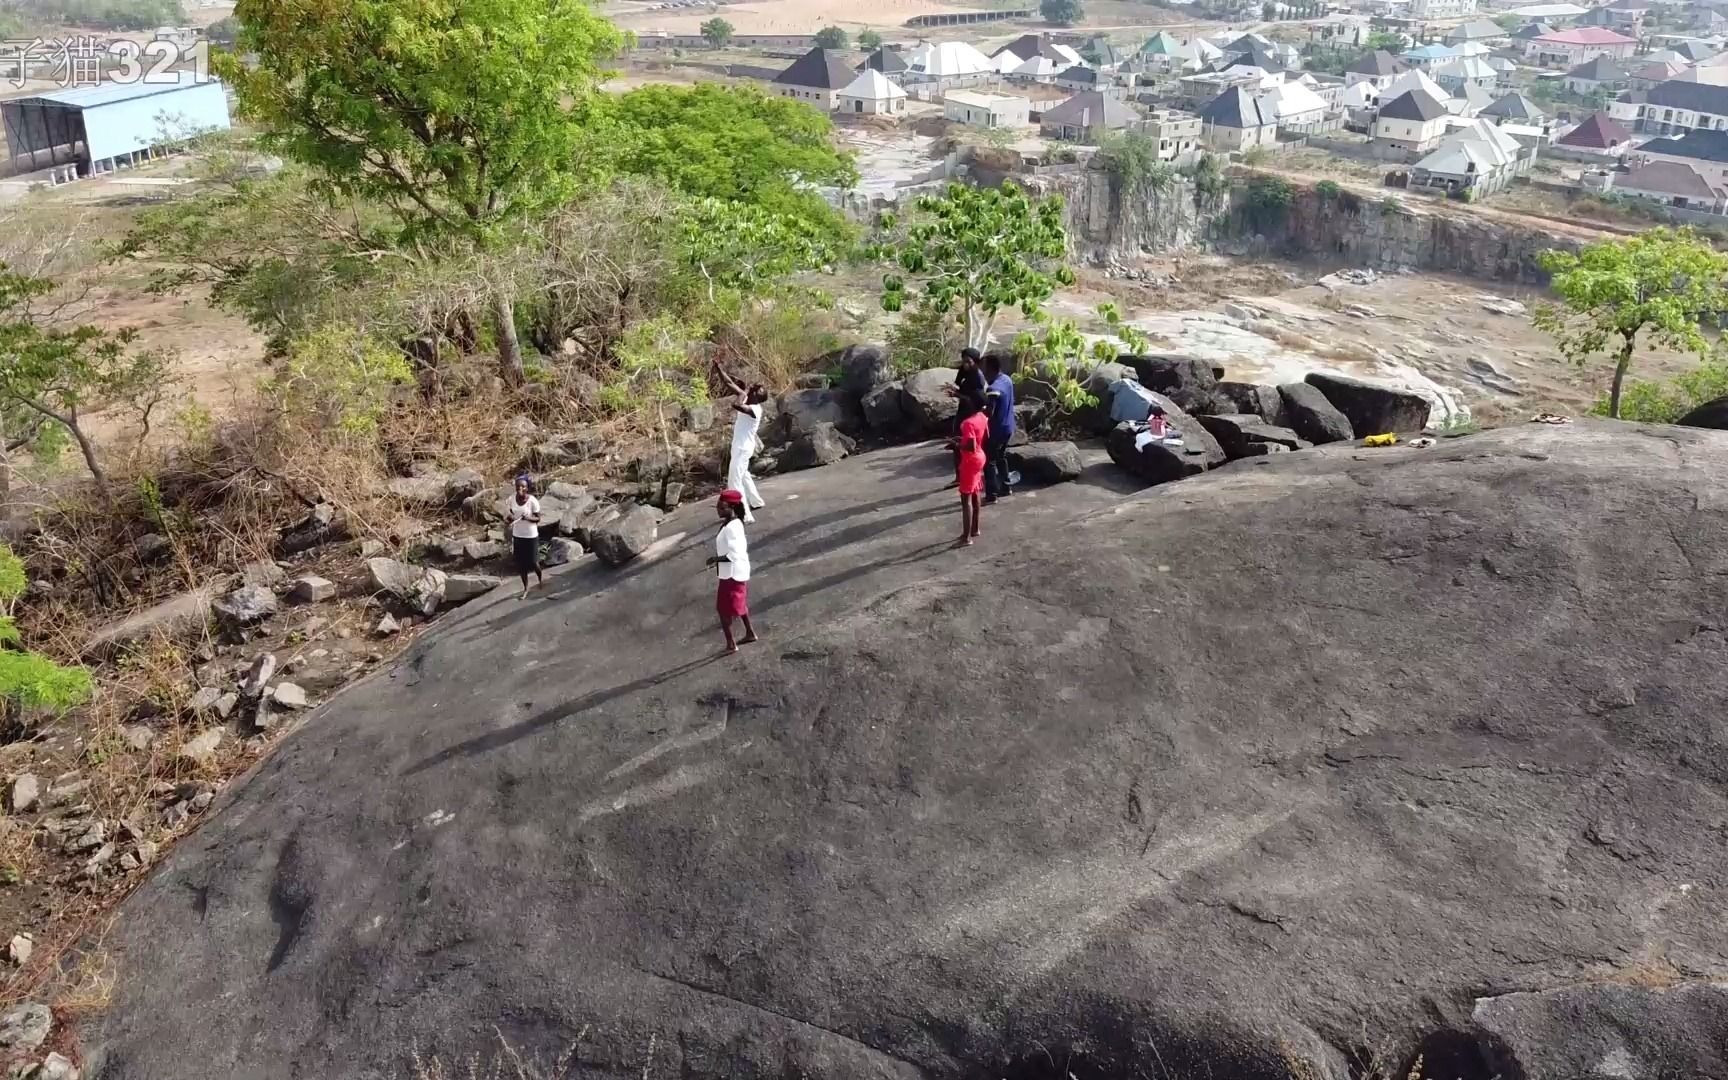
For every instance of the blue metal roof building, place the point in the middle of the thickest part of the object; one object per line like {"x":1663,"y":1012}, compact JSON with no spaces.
{"x":99,"y":127}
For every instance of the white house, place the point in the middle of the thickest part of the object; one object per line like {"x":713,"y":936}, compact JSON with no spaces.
{"x":871,"y":92}
{"x":1293,"y":107}
{"x":1569,"y":48}
{"x":1672,"y":184}
{"x":1377,"y":68}
{"x":1234,"y":120}
{"x":1413,"y":121}
{"x":815,"y":78}
{"x":1672,"y":108}
{"x":983,"y":109}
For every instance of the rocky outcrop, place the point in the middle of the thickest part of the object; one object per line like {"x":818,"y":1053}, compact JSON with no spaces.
{"x":1189,"y":382}
{"x":619,"y":541}
{"x":1312,"y":416}
{"x":1257,"y":398}
{"x":1191,"y":452}
{"x":862,"y":369}
{"x":1371,"y":408}
{"x":1247,"y":435}
{"x":802,"y":410}
{"x":924,"y":397}
{"x":1604,"y":1031}
{"x":420,"y":589}
{"x":1047,"y":462}
{"x":1711,"y":414}
{"x":822,"y":445}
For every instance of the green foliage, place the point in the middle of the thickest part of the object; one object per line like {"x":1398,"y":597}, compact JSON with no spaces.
{"x":108,"y":14}
{"x":337,"y":377}
{"x":1061,"y":12}
{"x":1389,"y":205}
{"x":1662,"y":283}
{"x":924,"y":337}
{"x":869,"y":39}
{"x":458,"y":115}
{"x":27,"y":679}
{"x":831,"y":37}
{"x":745,"y":249}
{"x":1131,"y":159}
{"x":1256,"y":155}
{"x":716,"y":31}
{"x":224,"y":32}
{"x":1061,"y":358}
{"x":1211,"y":183}
{"x":728,"y":143}
{"x":1509,"y":22}
{"x":655,"y":367}
{"x":979,"y":250}
{"x":1381,"y":39}
{"x":1269,"y":199}
{"x":1328,"y":190}
{"x":1649,"y":402}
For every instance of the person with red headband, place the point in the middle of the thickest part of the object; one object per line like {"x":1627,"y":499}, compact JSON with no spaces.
{"x":732,"y":557}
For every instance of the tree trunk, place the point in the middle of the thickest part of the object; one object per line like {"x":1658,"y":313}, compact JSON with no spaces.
{"x":1620,"y":367}
{"x":509,"y":349}
{"x":5,"y":464}
{"x":88,"y":449}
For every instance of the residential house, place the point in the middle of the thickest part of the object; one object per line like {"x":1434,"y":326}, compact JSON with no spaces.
{"x":1034,"y":69}
{"x":1485,"y":31}
{"x":1599,"y":135}
{"x":1080,"y":78}
{"x":1252,"y":49}
{"x":1206,"y":86}
{"x":815,"y":78}
{"x":1469,"y":101}
{"x":951,"y":63}
{"x":1441,"y":9}
{"x":1704,"y":151}
{"x":1101,"y":54}
{"x":1377,"y":68}
{"x":886,"y":60}
{"x":1163,"y":54}
{"x":1293,"y":107}
{"x":1672,"y":108}
{"x":1413,"y":80}
{"x":1706,"y":74}
{"x":1427,"y":57}
{"x":1556,"y":13}
{"x":1626,"y":16}
{"x":1708,"y":19}
{"x":1671,"y":183}
{"x":1597,"y":74}
{"x":1087,"y":117}
{"x":1505,"y":71}
{"x":1176,"y":134}
{"x":1414,"y":121}
{"x":1514,"y":108}
{"x":1477,"y":157}
{"x":1530,"y":31}
{"x":1026,"y":46}
{"x":1234,"y":121}
{"x":871,"y":92}
{"x":1569,"y":48}
{"x":1455,"y":75}
{"x":982,"y":109}
{"x":1694,"y":51}
{"x":1648,"y":73}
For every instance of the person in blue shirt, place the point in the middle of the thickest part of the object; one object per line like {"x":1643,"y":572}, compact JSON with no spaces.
{"x":999,"y":403}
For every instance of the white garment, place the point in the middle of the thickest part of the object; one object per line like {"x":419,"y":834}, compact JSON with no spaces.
{"x":731,"y":544}
{"x":518,"y":514}
{"x":738,"y":478}
{"x":744,"y":427}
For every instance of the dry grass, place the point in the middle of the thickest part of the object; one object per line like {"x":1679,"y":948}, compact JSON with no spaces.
{"x":505,"y":1062}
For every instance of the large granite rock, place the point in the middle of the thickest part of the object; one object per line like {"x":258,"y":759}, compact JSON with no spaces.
{"x":862,"y":369}
{"x":924,"y":396}
{"x":1372,"y":408}
{"x":1189,"y":382}
{"x":418,"y":588}
{"x":822,"y":445}
{"x":1604,"y":1031}
{"x":1157,"y":462}
{"x":1257,"y":398}
{"x":619,"y":541}
{"x":1312,"y":416}
{"x":802,"y":410}
{"x":1047,"y":462}
{"x":1711,"y":414}
{"x":1291,"y":760}
{"x":883,"y":412}
{"x":171,"y":620}
{"x":1247,"y":435}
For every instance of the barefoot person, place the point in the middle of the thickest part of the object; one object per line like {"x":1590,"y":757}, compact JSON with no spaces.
{"x":732,"y":556}
{"x":522,"y":513}
{"x":969,"y":461}
{"x":746,"y":426}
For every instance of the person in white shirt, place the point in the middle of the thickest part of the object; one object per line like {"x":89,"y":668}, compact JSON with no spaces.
{"x":732,"y":557}
{"x":746,"y":440}
{"x":522,"y":515}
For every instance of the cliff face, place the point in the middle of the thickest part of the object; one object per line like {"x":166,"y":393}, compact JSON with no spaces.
{"x":1108,"y":226}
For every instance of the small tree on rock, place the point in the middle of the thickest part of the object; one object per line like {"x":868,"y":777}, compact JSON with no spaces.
{"x":979,"y":250}
{"x":717,"y":32}
{"x":1662,"y":283}
{"x":831,"y":37}
{"x":1061,"y":12}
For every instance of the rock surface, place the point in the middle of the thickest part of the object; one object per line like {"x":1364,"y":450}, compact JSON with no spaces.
{"x":883,"y":412}
{"x":1372,"y":408}
{"x":419,"y":588}
{"x":1186,"y":380}
{"x":171,"y":619}
{"x":1257,"y":398}
{"x":1330,"y":743}
{"x":1609,"y":1032}
{"x":924,"y":397}
{"x":461,"y":588}
{"x":1158,"y":462}
{"x":1247,"y":435}
{"x":1047,"y":463}
{"x":1312,"y":416}
{"x":863,"y":368}
{"x":622,"y":540}
{"x":246,"y":606}
{"x":801,"y":411}
{"x":822,"y":445}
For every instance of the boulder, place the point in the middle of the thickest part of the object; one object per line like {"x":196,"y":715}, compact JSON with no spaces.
{"x":862,"y":369}
{"x":387,"y":626}
{"x":1241,"y":435}
{"x":482,"y":550}
{"x":463,"y":484}
{"x":179,"y":617}
{"x":1607,"y":1031}
{"x":312,"y":589}
{"x":1159,"y":463}
{"x":811,"y":380}
{"x":201,"y":748}
{"x":418,"y":588}
{"x":924,"y":397}
{"x":428,"y":492}
{"x":699,"y":416}
{"x":258,"y":675}
{"x":204,"y":701}
{"x":151,"y":547}
{"x":26,"y":1026}
{"x":558,"y":551}
{"x":1711,"y":414}
{"x":822,"y":445}
{"x":622,"y":540}
{"x":26,"y":790}
{"x":289,"y":695}
{"x":321,"y":525}
{"x":1187,"y":381}
{"x":263,"y":572}
{"x":598,"y":517}
{"x":461,"y":588}
{"x":1047,"y":462}
{"x":245,"y":606}
{"x":801,"y":411}
{"x":1312,"y":416}
{"x":1256,"y":398}
{"x":649,"y":466}
{"x":883,"y":412}
{"x":1372,"y":408}
{"x":56,"y":1067}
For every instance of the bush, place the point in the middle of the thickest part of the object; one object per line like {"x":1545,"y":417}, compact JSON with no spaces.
{"x":337,"y":377}
{"x":924,"y":338}
{"x":1328,"y":190}
{"x":1131,"y":159}
{"x":831,"y":37}
{"x":1269,"y":199}
{"x":30,"y":680}
{"x":1647,"y":401}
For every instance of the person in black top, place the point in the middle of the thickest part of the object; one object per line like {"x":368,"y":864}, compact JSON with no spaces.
{"x":969,"y":379}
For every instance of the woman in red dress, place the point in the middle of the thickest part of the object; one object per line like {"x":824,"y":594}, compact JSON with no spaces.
{"x":969,"y":463}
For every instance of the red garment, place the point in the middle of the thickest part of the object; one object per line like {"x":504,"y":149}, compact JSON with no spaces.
{"x":732,"y":599}
{"x":969,"y":464}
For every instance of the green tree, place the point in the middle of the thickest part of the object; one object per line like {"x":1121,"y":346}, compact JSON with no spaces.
{"x":1381,"y":39}
{"x":1509,"y":22}
{"x":1662,"y":283}
{"x":717,"y":32}
{"x":869,"y":39}
{"x":1649,"y":402}
{"x":744,"y":249}
{"x":1268,"y":11}
{"x":1061,"y":12}
{"x":979,"y":250}
{"x":224,"y":32}
{"x":30,"y":680}
{"x":461,"y":116}
{"x":53,"y":374}
{"x":831,"y":37}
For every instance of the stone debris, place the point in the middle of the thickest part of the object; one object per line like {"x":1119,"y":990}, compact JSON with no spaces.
{"x":18,"y":950}
{"x":258,"y":675}
{"x":289,"y":696}
{"x":387,"y":626}
{"x":26,"y":1026}
{"x":311,"y":589}
{"x":26,"y":790}
{"x":201,"y":748}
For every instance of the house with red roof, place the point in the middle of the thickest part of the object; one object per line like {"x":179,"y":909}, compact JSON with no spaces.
{"x":1597,"y":137}
{"x":1579,"y":45}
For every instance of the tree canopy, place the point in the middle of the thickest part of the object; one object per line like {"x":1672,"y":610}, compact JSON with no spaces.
{"x":717,"y":31}
{"x":831,"y":37}
{"x":869,"y":39}
{"x":1061,"y":12}
{"x":1662,"y":283}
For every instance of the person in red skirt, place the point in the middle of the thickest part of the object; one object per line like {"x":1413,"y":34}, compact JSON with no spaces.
{"x":732,"y":557}
{"x":969,"y":461}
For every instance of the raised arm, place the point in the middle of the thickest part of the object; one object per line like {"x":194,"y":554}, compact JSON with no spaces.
{"x":726,"y":377}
